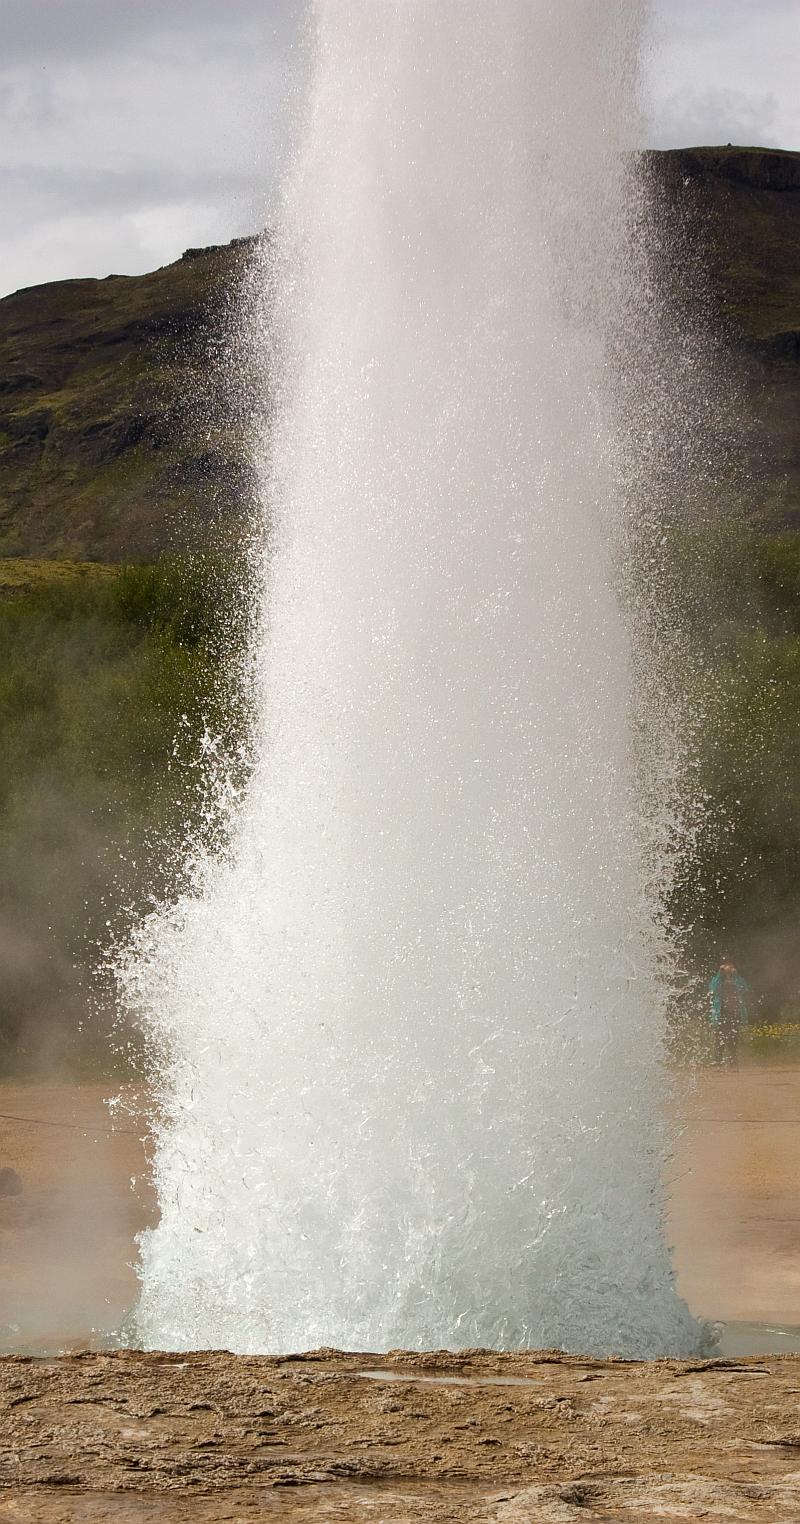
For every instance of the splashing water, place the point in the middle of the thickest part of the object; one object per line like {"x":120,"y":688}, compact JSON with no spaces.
{"x":410,"y":1024}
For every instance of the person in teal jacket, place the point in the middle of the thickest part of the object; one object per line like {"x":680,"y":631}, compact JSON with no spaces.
{"x":728,"y":993}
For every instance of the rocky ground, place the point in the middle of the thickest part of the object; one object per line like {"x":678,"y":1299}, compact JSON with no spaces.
{"x":474,"y":1436}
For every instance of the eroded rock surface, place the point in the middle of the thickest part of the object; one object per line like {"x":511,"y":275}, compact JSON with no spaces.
{"x":513,"y":1439}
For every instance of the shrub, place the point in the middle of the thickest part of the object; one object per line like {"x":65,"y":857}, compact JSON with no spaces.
{"x":773,"y":1040}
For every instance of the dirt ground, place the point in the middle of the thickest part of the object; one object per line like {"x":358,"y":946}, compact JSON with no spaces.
{"x":734,"y":1196}
{"x":515,"y":1439}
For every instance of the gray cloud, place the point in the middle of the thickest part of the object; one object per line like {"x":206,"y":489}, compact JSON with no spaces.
{"x":38,"y":30}
{"x":724,"y":71}
{"x":41,"y":194}
{"x":130,"y":129}
{"x":691,"y":116}
{"x":26,"y":101}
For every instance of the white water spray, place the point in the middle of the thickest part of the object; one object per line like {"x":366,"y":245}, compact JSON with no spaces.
{"x":412,"y":1021}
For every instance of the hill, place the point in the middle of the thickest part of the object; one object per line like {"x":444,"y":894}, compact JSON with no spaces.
{"x":116,"y":435}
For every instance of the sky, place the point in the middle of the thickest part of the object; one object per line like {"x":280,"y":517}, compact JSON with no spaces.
{"x":133,"y":129}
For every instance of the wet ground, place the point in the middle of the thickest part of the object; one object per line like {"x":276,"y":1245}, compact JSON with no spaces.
{"x":515,"y":1439}
{"x":735,"y":1197}
{"x":67,"y":1237}
{"x":67,"y":1233}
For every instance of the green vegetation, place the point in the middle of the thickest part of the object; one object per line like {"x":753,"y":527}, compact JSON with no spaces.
{"x":739,"y":893}
{"x":110,"y":679}
{"x":775,"y":1041}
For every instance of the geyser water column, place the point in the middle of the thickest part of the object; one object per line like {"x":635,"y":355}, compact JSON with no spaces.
{"x":407,"y":1029}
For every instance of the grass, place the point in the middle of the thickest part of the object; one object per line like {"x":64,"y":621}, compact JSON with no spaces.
{"x":20,"y":575}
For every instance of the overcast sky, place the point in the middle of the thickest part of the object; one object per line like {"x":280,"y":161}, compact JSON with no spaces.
{"x":132,"y":129}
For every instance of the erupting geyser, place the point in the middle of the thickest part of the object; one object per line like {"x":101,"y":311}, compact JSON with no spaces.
{"x":410,"y":1023}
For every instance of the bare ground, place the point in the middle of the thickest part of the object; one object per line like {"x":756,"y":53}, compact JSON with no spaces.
{"x":132,"y":1437}
{"x":735,"y":1196}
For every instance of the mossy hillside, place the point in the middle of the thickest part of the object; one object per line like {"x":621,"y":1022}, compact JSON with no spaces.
{"x":119,"y":437}
{"x":750,"y":202}
{"x":22,"y":575}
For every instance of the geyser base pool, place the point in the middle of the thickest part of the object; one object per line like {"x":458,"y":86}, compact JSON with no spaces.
{"x":408,"y":1028}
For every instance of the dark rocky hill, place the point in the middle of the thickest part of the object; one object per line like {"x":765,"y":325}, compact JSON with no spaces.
{"x":736,"y":213}
{"x":118,"y":438}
